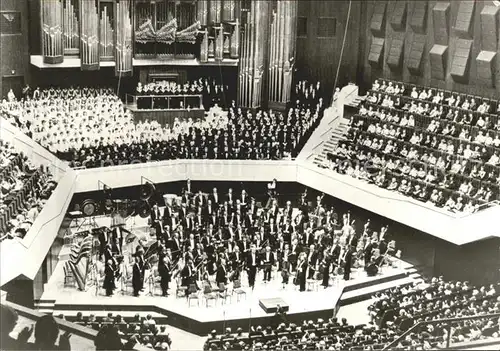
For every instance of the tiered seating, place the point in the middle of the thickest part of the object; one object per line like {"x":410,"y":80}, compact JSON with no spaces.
{"x":426,"y":301}
{"x":447,"y":156}
{"x":24,"y":188}
{"x":146,"y":330}
{"x":90,"y":128}
{"x":400,"y":309}
{"x":311,"y":335}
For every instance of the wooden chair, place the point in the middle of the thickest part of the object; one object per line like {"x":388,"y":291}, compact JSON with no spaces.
{"x":238,"y":290}
{"x":223,"y":292}
{"x":209,"y":295}
{"x":193,"y":294}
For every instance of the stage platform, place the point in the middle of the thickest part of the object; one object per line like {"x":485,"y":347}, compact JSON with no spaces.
{"x":198,"y":318}
{"x":239,"y":311}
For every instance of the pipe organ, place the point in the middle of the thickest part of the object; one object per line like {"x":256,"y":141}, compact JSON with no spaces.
{"x":71,"y":27}
{"x":254,"y":50}
{"x":123,"y":32}
{"x":52,"y":31}
{"x":89,"y":37}
{"x":282,"y":51}
{"x":107,"y":32}
{"x":118,"y":30}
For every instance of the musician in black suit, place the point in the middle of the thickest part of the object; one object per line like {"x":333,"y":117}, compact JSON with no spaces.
{"x":165,"y":274}
{"x":117,"y":240}
{"x":236,"y":258}
{"x":137,"y":276}
{"x":155,"y":214}
{"x":188,"y":274}
{"x":267,"y":262}
{"x":108,"y":254}
{"x":308,"y":238}
{"x":312,"y":259}
{"x":301,"y":272}
{"x":214,"y":199}
{"x":175,"y":246}
{"x":252,"y":264}
{"x":103,"y":241}
{"x":109,"y":278}
{"x":368,"y":251}
{"x":221,"y":275}
{"x":325,"y":268}
{"x":348,"y":257}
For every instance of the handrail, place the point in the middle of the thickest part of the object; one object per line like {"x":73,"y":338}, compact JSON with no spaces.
{"x":437,"y":321}
{"x":314,"y":168}
{"x":480,"y":208}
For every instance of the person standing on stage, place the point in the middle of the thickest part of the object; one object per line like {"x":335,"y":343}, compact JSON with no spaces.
{"x":187,"y":274}
{"x":301,"y":272}
{"x":348,"y":257}
{"x":109,"y":278}
{"x":137,"y":277}
{"x":268,"y":263}
{"x":252,"y":265}
{"x":325,"y":268}
{"x":221,"y":275}
{"x":165,"y":275}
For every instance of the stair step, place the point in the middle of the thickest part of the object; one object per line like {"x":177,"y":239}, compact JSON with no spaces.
{"x":357,"y":295}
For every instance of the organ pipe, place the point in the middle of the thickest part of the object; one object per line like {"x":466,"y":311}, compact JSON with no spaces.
{"x":202,"y":12}
{"x":282,"y":51}
{"x":204,"y":46}
{"x":228,"y":10}
{"x":235,"y":40}
{"x":107,"y":33}
{"x":71,"y":27}
{"x":215,"y":11}
{"x":52,"y":31}
{"x":89,"y":37}
{"x":123,"y":32}
{"x":219,"y":42}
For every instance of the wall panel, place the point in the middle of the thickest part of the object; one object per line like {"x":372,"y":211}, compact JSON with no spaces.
{"x":14,"y":50}
{"x":478,"y":23}
{"x":317,"y":58}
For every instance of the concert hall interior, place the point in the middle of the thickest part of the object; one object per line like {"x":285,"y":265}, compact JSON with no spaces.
{"x":250,"y":175}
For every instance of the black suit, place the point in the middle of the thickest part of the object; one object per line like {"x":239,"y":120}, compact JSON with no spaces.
{"x":109,"y":280}
{"x":347,"y":264}
{"x":187,"y":276}
{"x":252,"y":265}
{"x":137,"y":279}
{"x":164,"y":272}
{"x":301,"y":275}
{"x":221,"y":275}
{"x":268,"y":261}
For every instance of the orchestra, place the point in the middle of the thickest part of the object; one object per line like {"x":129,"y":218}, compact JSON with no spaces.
{"x":205,"y":237}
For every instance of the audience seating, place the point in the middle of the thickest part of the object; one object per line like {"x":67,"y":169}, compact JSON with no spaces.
{"x":23,"y":191}
{"x":438,"y":153}
{"x":426,"y":301}
{"x":143,"y":329}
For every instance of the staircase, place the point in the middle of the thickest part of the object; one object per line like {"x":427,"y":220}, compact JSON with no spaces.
{"x":332,"y":141}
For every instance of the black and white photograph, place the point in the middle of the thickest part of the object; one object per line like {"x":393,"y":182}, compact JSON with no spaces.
{"x":202,"y":175}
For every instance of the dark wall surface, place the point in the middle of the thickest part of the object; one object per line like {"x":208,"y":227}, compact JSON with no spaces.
{"x":14,"y":48}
